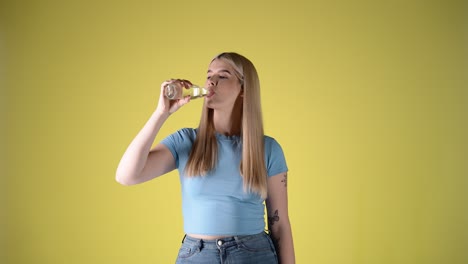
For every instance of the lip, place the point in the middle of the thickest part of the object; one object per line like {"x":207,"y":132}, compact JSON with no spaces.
{"x":210,"y":93}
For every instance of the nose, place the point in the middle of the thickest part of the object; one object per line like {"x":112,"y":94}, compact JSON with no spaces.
{"x":213,"y":81}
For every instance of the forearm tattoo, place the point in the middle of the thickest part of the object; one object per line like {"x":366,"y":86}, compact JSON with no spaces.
{"x":285,"y":180}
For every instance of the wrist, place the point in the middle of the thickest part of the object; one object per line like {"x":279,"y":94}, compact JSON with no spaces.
{"x":161,"y":114}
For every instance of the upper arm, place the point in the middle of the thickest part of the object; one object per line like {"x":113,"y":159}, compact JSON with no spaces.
{"x":160,"y":161}
{"x":277,"y":201}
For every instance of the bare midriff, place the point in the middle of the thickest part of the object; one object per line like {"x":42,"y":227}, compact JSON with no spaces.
{"x":205,"y":237}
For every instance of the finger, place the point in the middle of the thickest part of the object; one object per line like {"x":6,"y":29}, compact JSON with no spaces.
{"x":185,"y":100}
{"x":166,"y":82}
{"x":186,"y":83}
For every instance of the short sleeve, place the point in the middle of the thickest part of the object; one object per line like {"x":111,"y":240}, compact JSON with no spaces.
{"x":274,"y":157}
{"x":180,"y":143}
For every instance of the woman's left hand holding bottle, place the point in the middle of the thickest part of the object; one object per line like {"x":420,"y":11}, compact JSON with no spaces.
{"x":166,"y":106}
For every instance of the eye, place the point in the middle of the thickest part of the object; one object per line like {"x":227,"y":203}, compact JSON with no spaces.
{"x":208,"y":77}
{"x":223,"y":77}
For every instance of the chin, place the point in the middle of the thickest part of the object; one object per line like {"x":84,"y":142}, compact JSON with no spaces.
{"x":210,"y":104}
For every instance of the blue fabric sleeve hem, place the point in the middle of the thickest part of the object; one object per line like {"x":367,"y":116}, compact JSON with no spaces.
{"x":277,"y":173}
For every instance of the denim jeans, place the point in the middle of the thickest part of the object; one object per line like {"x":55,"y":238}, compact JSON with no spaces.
{"x":255,"y":249}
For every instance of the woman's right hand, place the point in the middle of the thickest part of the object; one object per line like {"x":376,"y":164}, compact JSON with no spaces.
{"x":166,"y":106}
{"x":140,"y":162}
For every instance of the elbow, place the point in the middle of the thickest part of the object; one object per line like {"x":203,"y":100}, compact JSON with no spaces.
{"x":123,"y":179}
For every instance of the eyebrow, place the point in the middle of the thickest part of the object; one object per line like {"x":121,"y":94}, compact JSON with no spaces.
{"x":221,"y":71}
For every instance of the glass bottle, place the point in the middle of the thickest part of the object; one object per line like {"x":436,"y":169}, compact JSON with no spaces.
{"x":174,"y":91}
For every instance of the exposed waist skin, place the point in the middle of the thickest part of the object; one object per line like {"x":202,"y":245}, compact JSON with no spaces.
{"x":206,"y":237}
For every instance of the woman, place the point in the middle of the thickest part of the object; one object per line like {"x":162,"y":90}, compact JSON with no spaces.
{"x":227,"y":168}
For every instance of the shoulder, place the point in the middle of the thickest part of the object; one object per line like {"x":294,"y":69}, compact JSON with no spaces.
{"x":271,"y":144}
{"x":183,"y":135}
{"x":267,"y":138}
{"x":274,"y":157}
{"x":272,"y":148}
{"x":187,"y":132}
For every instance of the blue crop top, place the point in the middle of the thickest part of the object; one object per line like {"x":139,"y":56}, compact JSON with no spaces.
{"x":216,"y":203}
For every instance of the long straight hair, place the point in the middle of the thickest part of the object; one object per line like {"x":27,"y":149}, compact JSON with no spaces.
{"x":204,"y":154}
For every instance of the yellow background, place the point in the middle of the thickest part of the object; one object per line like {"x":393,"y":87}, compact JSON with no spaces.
{"x":367,"y":98}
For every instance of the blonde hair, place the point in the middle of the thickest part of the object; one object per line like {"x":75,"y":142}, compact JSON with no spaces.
{"x":204,"y":154}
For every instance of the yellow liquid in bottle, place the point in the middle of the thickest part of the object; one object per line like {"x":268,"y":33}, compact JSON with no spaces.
{"x":174,"y":92}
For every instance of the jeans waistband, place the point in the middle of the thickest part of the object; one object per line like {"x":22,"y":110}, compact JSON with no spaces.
{"x":221,"y":242}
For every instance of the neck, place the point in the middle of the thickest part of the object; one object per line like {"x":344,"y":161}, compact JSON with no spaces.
{"x":228,"y":123}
